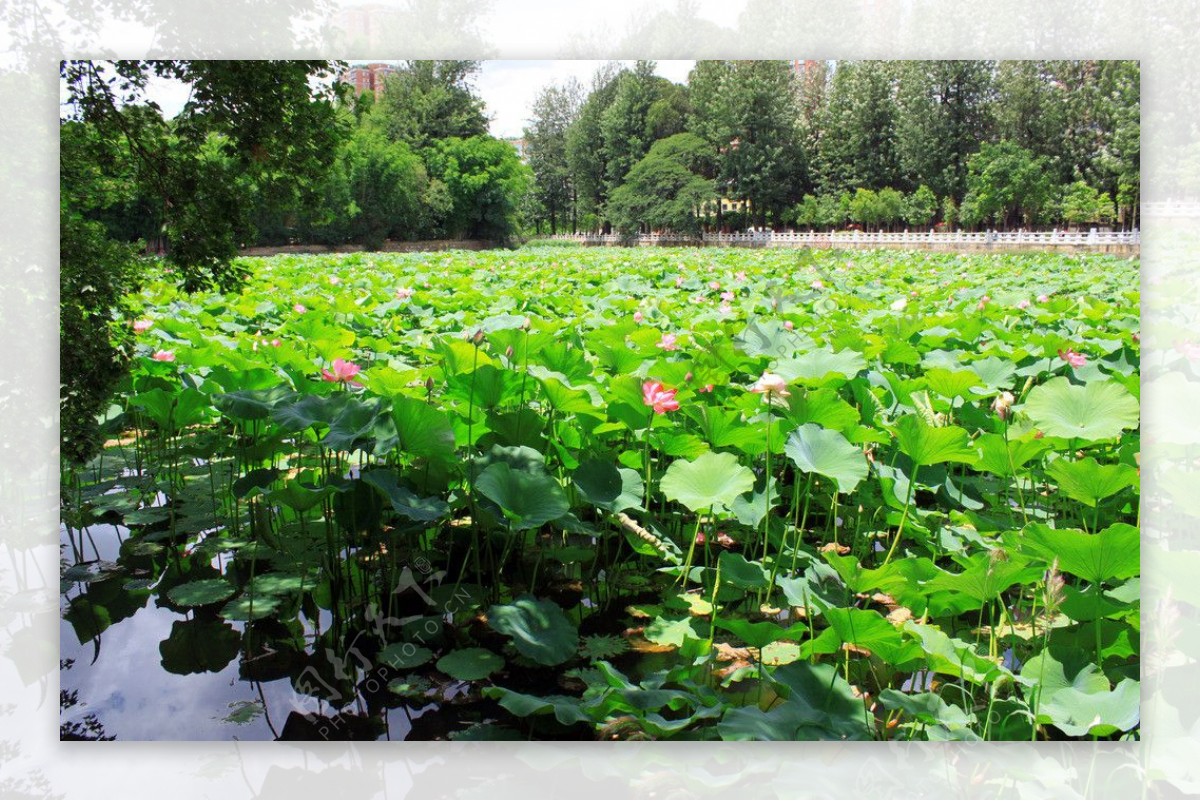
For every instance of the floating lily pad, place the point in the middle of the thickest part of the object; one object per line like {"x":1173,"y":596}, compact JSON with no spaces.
{"x":539,"y":629}
{"x":201,"y":593}
{"x":470,"y":664}
{"x":404,"y":655}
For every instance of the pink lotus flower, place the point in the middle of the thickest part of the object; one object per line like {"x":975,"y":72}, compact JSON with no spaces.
{"x":679,"y":281}
{"x":333,"y":279}
{"x":725,"y":308}
{"x":1043,"y":298}
{"x":722,"y":539}
{"x":706,"y":388}
{"x":714,"y":285}
{"x":817,"y":284}
{"x":343,"y":371}
{"x":1072,"y":357}
{"x":163,"y":356}
{"x":668,"y":342}
{"x":1024,"y":304}
{"x":404,"y":293}
{"x":771,"y":386}
{"x":740,"y":275}
{"x":789,"y":325}
{"x":275,"y":343}
{"x":661,"y":399}
{"x":141,"y":326}
{"x":727,"y":295}
{"x":1188,"y":349}
{"x":299,"y":308}
{"x":638,"y":317}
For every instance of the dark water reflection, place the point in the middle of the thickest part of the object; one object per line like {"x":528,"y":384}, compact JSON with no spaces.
{"x":156,"y":674}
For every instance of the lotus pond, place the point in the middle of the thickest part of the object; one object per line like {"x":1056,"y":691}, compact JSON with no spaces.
{"x":568,"y":493}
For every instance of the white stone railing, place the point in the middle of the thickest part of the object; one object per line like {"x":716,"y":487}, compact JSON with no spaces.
{"x":1171,"y":208}
{"x":783,"y":238}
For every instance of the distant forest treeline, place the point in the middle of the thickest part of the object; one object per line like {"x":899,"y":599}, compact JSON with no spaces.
{"x":881,"y":144}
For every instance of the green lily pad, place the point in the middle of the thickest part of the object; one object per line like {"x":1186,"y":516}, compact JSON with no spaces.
{"x":201,"y":593}
{"x":199,"y":646}
{"x":470,"y":664}
{"x":1083,"y":704}
{"x":605,"y":485}
{"x":406,"y":502}
{"x":244,"y":607}
{"x":1090,"y":482}
{"x":1113,"y":553}
{"x":820,"y":705}
{"x":1094,"y":411}
{"x":423,"y":430}
{"x":927,"y":445}
{"x":404,"y":655}
{"x":818,"y":450}
{"x":713,"y":481}
{"x":528,"y":500}
{"x":818,"y":365}
{"x":539,"y":629}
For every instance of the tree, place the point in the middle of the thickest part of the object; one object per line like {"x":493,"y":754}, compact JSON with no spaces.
{"x":856,"y":145}
{"x":1084,"y":204}
{"x":554,"y":110}
{"x":248,"y":126}
{"x":746,"y":111}
{"x":486,"y":182}
{"x":666,"y":189}
{"x":1028,"y":108}
{"x":891,"y":206}
{"x":386,"y":182}
{"x":247,"y":123}
{"x":1006,"y":184}
{"x":949,"y":212}
{"x":943,"y":113}
{"x":808,"y":212}
{"x":921,"y":207}
{"x":625,"y":126}
{"x":585,"y":144}
{"x":427,"y":101}
{"x":864,"y":207}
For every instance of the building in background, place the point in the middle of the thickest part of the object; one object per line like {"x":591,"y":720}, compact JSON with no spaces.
{"x":520,"y":144}
{"x":368,"y":77}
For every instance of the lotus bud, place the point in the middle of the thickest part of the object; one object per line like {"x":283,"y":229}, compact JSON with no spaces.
{"x":478,"y":338}
{"x":1002,"y":403}
{"x":1053,"y":593}
{"x":508,"y":352}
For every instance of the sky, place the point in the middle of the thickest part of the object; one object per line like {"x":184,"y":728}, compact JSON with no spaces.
{"x":508,"y":88}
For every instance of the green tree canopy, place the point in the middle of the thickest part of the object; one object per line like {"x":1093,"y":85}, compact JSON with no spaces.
{"x":486,"y":181}
{"x":249,"y":129}
{"x":427,"y":101}
{"x":1006,"y":183}
{"x":666,"y":189}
